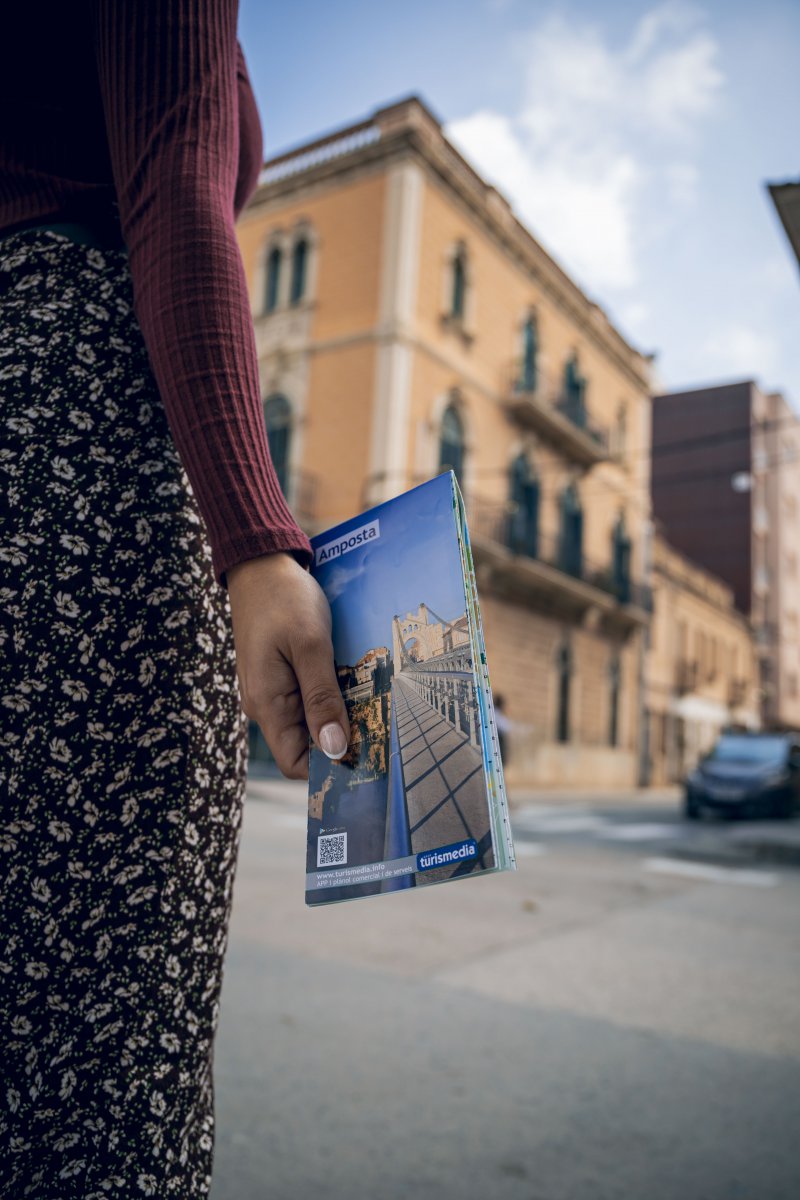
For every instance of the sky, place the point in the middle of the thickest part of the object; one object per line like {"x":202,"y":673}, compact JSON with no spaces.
{"x":634,"y":140}
{"x":415,"y":558}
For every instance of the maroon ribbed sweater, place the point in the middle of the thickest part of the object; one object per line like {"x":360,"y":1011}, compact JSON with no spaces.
{"x":147,"y":103}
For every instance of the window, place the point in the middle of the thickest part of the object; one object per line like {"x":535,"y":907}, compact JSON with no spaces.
{"x":277,"y":416}
{"x":299,"y":263}
{"x":273,"y":279}
{"x":621,"y":561}
{"x":574,"y":401}
{"x":570,"y":548}
{"x":564,"y":681}
{"x":614,"y":679}
{"x":522,"y":534}
{"x":528,"y":376}
{"x":459,"y":283}
{"x":451,"y":443}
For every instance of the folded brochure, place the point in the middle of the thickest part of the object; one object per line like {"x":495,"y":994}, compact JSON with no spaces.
{"x":419,"y":796}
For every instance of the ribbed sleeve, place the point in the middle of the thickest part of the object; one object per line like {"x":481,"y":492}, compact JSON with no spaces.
{"x":167,"y":71}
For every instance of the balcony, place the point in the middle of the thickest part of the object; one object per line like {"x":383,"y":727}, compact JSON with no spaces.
{"x":542,"y":573}
{"x":688,"y":676}
{"x":550,"y":412}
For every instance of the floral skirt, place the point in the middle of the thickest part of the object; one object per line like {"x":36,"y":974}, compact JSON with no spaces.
{"x":123,"y":751}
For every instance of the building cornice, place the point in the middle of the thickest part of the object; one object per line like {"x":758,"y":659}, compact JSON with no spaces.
{"x":410,"y":128}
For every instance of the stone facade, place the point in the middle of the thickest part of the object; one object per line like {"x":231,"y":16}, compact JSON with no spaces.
{"x":432,"y":329}
{"x":702,"y":669}
{"x":781,"y":687}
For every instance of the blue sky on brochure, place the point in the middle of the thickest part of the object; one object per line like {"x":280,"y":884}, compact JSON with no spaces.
{"x":414,"y":559}
{"x":633,"y":139}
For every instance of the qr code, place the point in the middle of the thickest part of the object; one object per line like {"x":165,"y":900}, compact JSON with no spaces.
{"x":332,"y":850}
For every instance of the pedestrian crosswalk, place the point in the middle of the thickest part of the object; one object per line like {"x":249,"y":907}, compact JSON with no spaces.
{"x":538,"y":828}
{"x":541,"y":821}
{"x":709,"y":873}
{"x":648,"y":831}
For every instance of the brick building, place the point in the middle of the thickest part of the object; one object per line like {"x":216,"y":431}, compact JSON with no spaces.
{"x":726,"y":489}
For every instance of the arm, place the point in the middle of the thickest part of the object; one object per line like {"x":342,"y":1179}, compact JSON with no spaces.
{"x":168,"y":74}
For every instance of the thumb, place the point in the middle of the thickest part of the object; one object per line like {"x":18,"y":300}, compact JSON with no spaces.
{"x":323,"y":704}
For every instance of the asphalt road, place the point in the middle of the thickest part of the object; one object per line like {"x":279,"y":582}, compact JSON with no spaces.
{"x":617,"y":1020}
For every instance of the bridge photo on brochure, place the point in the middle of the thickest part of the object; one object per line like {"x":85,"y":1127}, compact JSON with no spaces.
{"x":419,"y":796}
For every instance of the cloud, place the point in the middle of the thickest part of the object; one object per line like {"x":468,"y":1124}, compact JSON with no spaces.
{"x":681,"y":179}
{"x":778,"y":273}
{"x":741,"y":349}
{"x":340,"y":578}
{"x":635,"y":314}
{"x":602,"y":135}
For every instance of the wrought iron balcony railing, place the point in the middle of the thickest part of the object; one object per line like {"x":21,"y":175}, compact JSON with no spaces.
{"x":496,"y":522}
{"x":557,"y":413}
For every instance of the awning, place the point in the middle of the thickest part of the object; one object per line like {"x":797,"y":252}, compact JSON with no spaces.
{"x":698,"y":708}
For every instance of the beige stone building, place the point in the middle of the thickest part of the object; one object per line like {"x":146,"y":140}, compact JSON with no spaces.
{"x":407,"y":321}
{"x":780,"y":533}
{"x":702,"y":669}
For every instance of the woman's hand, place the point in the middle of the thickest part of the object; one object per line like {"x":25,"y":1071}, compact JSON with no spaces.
{"x":284,"y":660}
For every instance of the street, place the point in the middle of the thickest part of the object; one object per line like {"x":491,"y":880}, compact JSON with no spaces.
{"x":617,"y":1020}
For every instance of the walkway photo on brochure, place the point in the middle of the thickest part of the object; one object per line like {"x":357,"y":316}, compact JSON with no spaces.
{"x":419,"y":796}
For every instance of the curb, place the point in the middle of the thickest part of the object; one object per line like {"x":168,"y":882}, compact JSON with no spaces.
{"x":785,"y":853}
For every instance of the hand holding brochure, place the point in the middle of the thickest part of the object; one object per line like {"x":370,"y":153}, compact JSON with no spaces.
{"x":419,"y":797}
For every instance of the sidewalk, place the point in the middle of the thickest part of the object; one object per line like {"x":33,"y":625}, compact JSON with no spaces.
{"x":530,"y":797}
{"x":291,"y":793}
{"x":294,"y":792}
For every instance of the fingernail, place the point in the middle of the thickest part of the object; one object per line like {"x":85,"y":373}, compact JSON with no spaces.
{"x":332,"y":740}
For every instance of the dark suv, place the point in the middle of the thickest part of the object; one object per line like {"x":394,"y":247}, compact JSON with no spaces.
{"x":747,"y":774}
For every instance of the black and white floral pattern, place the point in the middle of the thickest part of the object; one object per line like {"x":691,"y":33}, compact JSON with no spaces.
{"x":123,"y":751}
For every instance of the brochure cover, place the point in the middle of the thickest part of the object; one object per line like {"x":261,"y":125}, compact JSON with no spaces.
{"x":419,"y":797}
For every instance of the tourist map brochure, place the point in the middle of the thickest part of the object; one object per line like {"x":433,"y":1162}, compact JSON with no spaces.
{"x":419,"y":796}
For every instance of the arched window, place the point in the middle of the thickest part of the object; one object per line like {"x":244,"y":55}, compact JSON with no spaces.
{"x":278,"y":418}
{"x":451,"y":443}
{"x":614,"y":680}
{"x":459,"y":283}
{"x":570,"y":549}
{"x":564,"y":663}
{"x":530,"y":348}
{"x":621,"y":561}
{"x":273,"y":279}
{"x":299,"y":263}
{"x":574,"y":403}
{"x":523,"y":519}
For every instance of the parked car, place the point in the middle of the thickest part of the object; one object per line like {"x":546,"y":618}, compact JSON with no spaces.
{"x":747,"y":774}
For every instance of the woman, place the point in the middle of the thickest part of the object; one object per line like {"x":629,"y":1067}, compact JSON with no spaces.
{"x":153,"y":586}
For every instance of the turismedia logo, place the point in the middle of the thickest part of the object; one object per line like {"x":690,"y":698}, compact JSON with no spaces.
{"x":349,"y":541}
{"x":443,"y":856}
